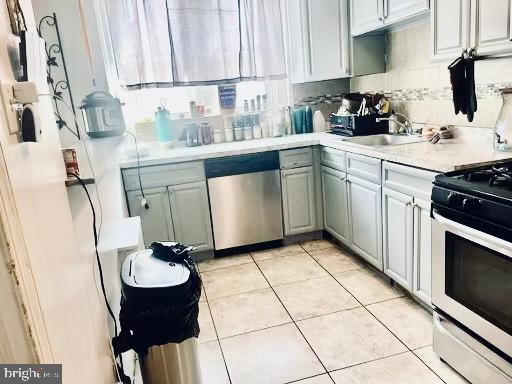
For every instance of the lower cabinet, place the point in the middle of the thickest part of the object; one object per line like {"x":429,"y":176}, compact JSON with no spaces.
{"x":336,"y":220}
{"x":397,"y":227}
{"x":176,"y":213}
{"x":156,"y":221}
{"x":299,"y":203}
{"x":364,"y":205}
{"x":191,"y":215}
{"x":422,"y":273}
{"x":407,"y":242}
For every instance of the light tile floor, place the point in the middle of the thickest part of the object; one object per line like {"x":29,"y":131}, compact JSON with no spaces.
{"x":311,"y":313}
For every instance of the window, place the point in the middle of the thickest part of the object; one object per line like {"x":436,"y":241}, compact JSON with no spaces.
{"x":140,"y":105}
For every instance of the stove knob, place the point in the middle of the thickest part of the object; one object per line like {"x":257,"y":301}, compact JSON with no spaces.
{"x":471,"y":203}
{"x":454,"y":199}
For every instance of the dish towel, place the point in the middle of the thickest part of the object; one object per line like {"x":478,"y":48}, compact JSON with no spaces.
{"x":462,"y":78}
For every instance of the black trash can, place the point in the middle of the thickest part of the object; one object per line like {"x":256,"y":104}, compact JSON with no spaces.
{"x":159,"y":310}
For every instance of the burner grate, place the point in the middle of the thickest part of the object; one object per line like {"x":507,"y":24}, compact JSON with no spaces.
{"x":496,"y":176}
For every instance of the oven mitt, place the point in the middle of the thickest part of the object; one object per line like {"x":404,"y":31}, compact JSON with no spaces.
{"x":471,"y":104}
{"x":458,"y":80}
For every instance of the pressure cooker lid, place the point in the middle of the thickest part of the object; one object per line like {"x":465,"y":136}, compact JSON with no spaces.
{"x":99,"y":99}
{"x":142,"y":270}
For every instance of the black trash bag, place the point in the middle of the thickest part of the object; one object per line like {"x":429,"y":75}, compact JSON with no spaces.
{"x":166,"y":319}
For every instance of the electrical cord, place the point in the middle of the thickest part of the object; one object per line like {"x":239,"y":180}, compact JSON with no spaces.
{"x":144,"y":201}
{"x":95,"y":233}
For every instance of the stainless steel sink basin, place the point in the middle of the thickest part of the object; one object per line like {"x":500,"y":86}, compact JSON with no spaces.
{"x":383,"y":140}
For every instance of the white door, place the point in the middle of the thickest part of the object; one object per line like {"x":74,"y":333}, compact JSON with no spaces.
{"x":156,"y":221}
{"x":364,"y":202}
{"x":366,"y":15}
{"x":397,"y":10}
{"x":299,"y":204}
{"x":491,"y":29}
{"x":335,"y":204}
{"x":191,"y":215}
{"x":397,"y":227}
{"x":450,"y":28}
{"x":325,"y":39}
{"x":422,"y":275}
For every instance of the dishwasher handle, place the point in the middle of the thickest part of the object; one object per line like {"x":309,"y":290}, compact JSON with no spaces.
{"x":236,"y":165}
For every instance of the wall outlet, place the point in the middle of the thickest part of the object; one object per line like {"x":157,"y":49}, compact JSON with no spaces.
{"x":10,"y":108}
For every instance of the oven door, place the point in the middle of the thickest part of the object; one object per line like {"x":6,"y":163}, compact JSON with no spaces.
{"x":472,"y":280}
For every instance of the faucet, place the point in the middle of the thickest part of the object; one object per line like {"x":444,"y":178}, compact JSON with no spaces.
{"x":406,"y":125}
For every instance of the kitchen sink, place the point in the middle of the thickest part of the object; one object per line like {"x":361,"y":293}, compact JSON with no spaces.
{"x":383,"y":140}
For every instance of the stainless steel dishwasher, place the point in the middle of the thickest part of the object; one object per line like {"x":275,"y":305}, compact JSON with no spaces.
{"x":245,"y":199}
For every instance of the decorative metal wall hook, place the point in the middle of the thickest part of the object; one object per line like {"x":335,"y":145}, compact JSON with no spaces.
{"x":55,"y":59}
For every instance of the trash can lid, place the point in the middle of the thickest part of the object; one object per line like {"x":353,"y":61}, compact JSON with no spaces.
{"x":142,"y":270}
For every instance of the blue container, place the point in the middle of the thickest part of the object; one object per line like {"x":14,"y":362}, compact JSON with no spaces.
{"x":163,"y":125}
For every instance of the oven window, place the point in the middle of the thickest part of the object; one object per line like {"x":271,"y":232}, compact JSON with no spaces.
{"x":480,"y":279}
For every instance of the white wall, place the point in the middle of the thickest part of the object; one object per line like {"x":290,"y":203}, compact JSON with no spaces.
{"x":107,"y":194}
{"x":54,"y":252}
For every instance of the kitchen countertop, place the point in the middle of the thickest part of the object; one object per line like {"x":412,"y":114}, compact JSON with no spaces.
{"x":447,"y":155}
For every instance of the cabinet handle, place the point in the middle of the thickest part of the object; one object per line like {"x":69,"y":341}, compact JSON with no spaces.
{"x":385,"y":8}
{"x":343,"y":178}
{"x":408,"y":203}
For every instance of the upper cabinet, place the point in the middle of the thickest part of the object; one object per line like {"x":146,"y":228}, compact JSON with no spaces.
{"x":371,"y":15}
{"x":458,"y":25}
{"x":491,"y":27}
{"x":366,"y":15}
{"x":449,"y":28}
{"x":318,"y":35}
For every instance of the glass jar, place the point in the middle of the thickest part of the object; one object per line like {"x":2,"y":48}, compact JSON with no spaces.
{"x":503,"y":127}
{"x":206,"y":133}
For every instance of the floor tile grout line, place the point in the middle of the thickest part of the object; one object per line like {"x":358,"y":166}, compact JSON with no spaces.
{"x":425,"y":364}
{"x":226,"y":267}
{"x":294,"y":323}
{"x":307,"y":378}
{"x":256,"y":330}
{"x":217,"y":335}
{"x":360,"y":302}
{"x":240,"y":293}
{"x":364,"y":306}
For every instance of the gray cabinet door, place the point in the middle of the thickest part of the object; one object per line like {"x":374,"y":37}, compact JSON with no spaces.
{"x":397,"y":221}
{"x":191,"y":215}
{"x":491,"y":29}
{"x":398,"y":10}
{"x":364,"y":202}
{"x":366,"y":15}
{"x":299,"y":203}
{"x":422,"y":275}
{"x":156,"y":221}
{"x":336,"y":220}
{"x":450,"y":28}
{"x":326,"y":34}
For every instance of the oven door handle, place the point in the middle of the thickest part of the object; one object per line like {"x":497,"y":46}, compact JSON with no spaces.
{"x":475,"y":233}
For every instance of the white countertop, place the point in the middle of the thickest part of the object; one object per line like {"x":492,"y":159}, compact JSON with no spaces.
{"x":448,"y":155}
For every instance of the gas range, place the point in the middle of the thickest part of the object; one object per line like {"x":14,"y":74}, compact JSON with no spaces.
{"x":472,"y":271}
{"x":480,"y":197}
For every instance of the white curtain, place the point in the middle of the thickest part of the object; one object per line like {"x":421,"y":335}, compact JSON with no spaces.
{"x":160,"y":43}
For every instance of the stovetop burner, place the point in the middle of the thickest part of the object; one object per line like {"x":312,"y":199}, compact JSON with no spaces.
{"x":491,"y":182}
{"x":497,"y":176}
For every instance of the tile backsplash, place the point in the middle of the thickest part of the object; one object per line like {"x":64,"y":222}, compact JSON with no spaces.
{"x":421,"y":89}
